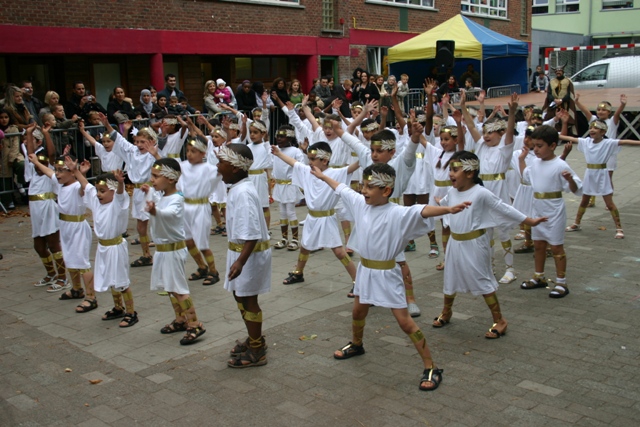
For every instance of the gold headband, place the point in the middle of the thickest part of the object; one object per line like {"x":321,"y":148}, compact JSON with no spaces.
{"x":370,"y":127}
{"x":385,"y":144}
{"x":453,"y":131}
{"x":379,"y":179}
{"x":237,"y":160}
{"x":259,"y":126}
{"x":287,"y":132}
{"x":604,"y":106}
{"x":167,"y":172}
{"x":198,"y":145}
{"x":598,"y":124}
{"x":43,"y":159}
{"x":109,"y":183}
{"x":320,"y":154}
{"x":467,"y":165}
{"x":494,"y":126}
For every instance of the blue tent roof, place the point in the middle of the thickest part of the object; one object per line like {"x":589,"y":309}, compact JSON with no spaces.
{"x":495,"y":44}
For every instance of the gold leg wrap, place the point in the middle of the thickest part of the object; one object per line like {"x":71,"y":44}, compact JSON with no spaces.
{"x":176,"y":305}
{"x":293,"y":223}
{"x":303,"y":257}
{"x":506,"y":245}
{"x":253,"y":317}
{"x":408,"y":292}
{"x":117,"y":298}
{"x":127,"y":295}
{"x":494,"y":306}
{"x":222,"y":205}
{"x":417,"y":336}
{"x":57,"y":255}
{"x":526,"y":227}
{"x":490,"y":299}
{"x":209,"y":259}
{"x":560,"y":256}
{"x":256,"y":342}
{"x":241,"y":307}
{"x":144,"y":239}
{"x":615,"y":213}
{"x":284,"y":222}
{"x":47,"y":260}
{"x":445,"y":239}
{"x":448,"y":301}
{"x":358,"y":330}
{"x":581,"y":210}
{"x":492,"y":242}
{"x":186,"y":304}
{"x":345,"y":261}
{"x":194,"y":251}
{"x":347,"y":231}
{"x":59,"y":260}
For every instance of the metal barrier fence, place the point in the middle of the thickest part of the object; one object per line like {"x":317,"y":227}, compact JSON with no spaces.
{"x":500,"y":91}
{"x":414,"y":99}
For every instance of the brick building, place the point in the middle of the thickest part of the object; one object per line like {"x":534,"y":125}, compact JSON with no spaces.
{"x":133,"y":43}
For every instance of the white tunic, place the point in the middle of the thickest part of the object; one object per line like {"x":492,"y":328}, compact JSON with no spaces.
{"x":523,"y":200}
{"x":44,"y":213}
{"x":138,"y":170}
{"x":174,"y":144}
{"x":469,"y":261}
{"x":319,"y":232}
{"x":197,"y":182}
{"x":219,"y":194}
{"x":245,"y":221}
{"x":441,"y":184}
{"x":167,"y":226}
{"x":109,"y":161}
{"x":495,"y":160}
{"x":422,"y":178}
{"x":262,"y":159}
{"x":612,"y":133}
{"x":513,"y":176}
{"x":597,"y":181}
{"x":109,"y":221}
{"x":546,"y":177}
{"x":75,"y":237}
{"x":381,"y":234}
{"x":286,"y":193}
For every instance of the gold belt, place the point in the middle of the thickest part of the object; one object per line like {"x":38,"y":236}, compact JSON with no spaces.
{"x":72,"y":218}
{"x":320,"y":214}
{"x":524,"y":183}
{"x":596,"y":165}
{"x":378,"y":265}
{"x":43,"y":196}
{"x":468,"y":236}
{"x":111,"y":242}
{"x":491,"y":176}
{"x":200,"y":201}
{"x":283,"y":181}
{"x":170,"y":247}
{"x":354,"y":154}
{"x":337,"y":166}
{"x":395,"y":200}
{"x":442,"y":183}
{"x":141,"y":184}
{"x":256,"y":171}
{"x":173,"y":155}
{"x":260,"y":246}
{"x":419,"y":155}
{"x":551,"y":195}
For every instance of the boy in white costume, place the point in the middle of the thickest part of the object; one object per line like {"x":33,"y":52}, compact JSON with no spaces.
{"x":172,"y":137}
{"x":321,"y":224}
{"x":109,"y":161}
{"x":597,"y":150}
{"x":75,"y":233}
{"x":262,"y":162}
{"x":284,"y":192}
{"x":139,"y":160}
{"x":469,"y":256}
{"x":249,"y":253}
{"x":549,"y":176}
{"x":166,"y":207}
{"x":45,"y":228}
{"x":379,"y":279}
{"x":494,"y":148}
{"x":110,"y":206}
{"x":198,"y":180}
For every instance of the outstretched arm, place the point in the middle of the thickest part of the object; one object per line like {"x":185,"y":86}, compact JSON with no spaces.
{"x":511,"y":123}
{"x":583,"y":108}
{"x":353,"y":167}
{"x":42,"y":168}
{"x":430,"y":211}
{"x":368,"y":107}
{"x":315,"y":171}
{"x":623,"y":103}
{"x":468,"y":120}
{"x":279,"y":154}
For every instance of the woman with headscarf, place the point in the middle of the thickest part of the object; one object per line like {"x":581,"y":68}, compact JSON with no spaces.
{"x":147,"y":109}
{"x":246,"y":98}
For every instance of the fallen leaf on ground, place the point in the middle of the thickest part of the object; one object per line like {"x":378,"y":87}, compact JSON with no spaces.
{"x":300,"y":352}
{"x":95,"y":381}
{"x":307,"y":338}
{"x":68,"y":370}
{"x":602,"y":228}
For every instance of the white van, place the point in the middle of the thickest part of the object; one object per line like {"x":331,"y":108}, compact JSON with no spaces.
{"x":609,"y":73}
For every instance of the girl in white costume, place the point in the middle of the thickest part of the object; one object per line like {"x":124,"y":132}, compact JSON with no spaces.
{"x":469,"y":256}
{"x":44,"y":210}
{"x":110,"y":206}
{"x":75,"y":233}
{"x":197,"y":182}
{"x":262,"y":161}
{"x":166,"y":207}
{"x":109,"y":161}
{"x":249,"y":253}
{"x":173,"y":135}
{"x":379,"y":279}
{"x":549,"y":176}
{"x":597,"y":151}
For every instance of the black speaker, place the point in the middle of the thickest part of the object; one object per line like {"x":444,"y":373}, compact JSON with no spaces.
{"x":444,"y":55}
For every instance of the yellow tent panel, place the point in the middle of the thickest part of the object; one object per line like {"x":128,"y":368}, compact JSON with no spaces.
{"x":423,"y":46}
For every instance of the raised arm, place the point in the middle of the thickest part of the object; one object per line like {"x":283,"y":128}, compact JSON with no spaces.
{"x":279,"y":154}
{"x":583,"y":108}
{"x":366,"y":111}
{"x":315,"y":171}
{"x":42,"y":168}
{"x":87,"y":136}
{"x":396,"y":107}
{"x":623,"y":103}
{"x":48,"y":142}
{"x":309,"y":115}
{"x":511,"y":122}
{"x":428,"y":85}
{"x":73,"y":167}
{"x":468,"y":120}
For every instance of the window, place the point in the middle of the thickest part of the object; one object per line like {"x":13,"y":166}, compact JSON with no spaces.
{"x":540,"y":6}
{"x":261,"y":68}
{"x":564,"y":6}
{"x":376,"y":60}
{"x":597,"y":72}
{"x":617,"y":4}
{"x":418,"y":3}
{"x":328,"y":20}
{"x":489,"y":8}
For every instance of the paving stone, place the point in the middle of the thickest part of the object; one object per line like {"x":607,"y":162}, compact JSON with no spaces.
{"x":106,"y":413}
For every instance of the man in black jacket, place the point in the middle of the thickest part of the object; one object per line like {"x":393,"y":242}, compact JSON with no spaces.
{"x":170,"y":87}
{"x":32,"y":103}
{"x":81,"y":103}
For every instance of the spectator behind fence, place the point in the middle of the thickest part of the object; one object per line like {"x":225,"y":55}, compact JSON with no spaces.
{"x":51,"y":99}
{"x":14,"y":106}
{"x":323,"y":91}
{"x":295,"y":92}
{"x":449,"y":87}
{"x":119,"y":110}
{"x":361,"y":90}
{"x":147,"y":108}
{"x":12,"y":160}
{"x":170,"y":87}
{"x":66,"y":134}
{"x":81,"y":102}
{"x":277,"y":117}
{"x":246,"y":98}
{"x":32,"y":103}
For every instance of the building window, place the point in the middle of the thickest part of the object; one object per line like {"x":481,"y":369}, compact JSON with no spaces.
{"x":328,"y":17}
{"x":261,"y":68}
{"x":540,"y":6}
{"x":418,"y":3}
{"x":617,"y":4}
{"x":490,"y":8}
{"x":564,"y":6}
{"x":377,"y":61}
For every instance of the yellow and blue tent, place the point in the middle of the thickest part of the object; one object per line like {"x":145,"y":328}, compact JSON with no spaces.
{"x":501,"y":60}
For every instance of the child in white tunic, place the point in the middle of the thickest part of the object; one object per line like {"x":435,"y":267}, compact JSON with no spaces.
{"x":75,"y":233}
{"x":166,"y":207}
{"x":109,"y":161}
{"x":379,"y":279}
{"x":197,"y":182}
{"x":549,"y":176}
{"x":44,"y":211}
{"x":173,"y":137}
{"x":110,"y":206}
{"x":139,"y":158}
{"x":597,"y":151}
{"x":321,"y":224}
{"x":262,"y":161}
{"x":469,"y":256}
{"x":249,"y":253}
{"x":284,"y":192}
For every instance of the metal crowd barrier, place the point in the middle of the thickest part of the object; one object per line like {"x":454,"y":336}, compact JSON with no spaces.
{"x":500,"y":91}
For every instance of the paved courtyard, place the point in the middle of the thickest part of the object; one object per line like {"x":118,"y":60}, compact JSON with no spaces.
{"x":573,"y":361}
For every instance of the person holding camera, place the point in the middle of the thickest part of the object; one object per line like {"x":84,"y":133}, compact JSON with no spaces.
{"x":82,"y":102}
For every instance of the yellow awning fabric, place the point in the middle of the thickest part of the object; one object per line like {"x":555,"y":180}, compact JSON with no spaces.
{"x":423,"y":46}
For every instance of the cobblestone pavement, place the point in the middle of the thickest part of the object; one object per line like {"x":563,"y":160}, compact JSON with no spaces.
{"x":573,"y":361}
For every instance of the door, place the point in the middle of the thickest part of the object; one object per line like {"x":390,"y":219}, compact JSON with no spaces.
{"x":106,"y":76}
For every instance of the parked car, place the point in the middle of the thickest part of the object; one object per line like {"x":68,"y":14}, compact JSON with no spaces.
{"x":609,"y":73}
